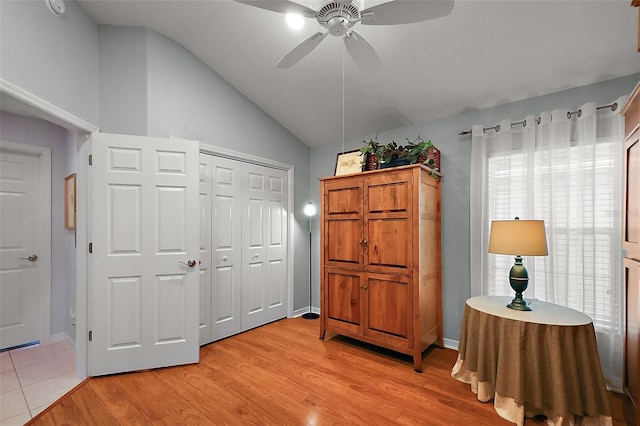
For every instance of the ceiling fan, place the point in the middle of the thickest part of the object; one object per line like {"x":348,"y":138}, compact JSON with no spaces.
{"x":339,"y":16}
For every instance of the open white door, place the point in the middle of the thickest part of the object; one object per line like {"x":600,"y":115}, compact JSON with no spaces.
{"x":144,"y":234}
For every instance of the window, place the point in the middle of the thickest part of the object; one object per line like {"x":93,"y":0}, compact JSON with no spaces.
{"x":566,"y":170}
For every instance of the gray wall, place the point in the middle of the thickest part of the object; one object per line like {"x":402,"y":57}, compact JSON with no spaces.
{"x":123,"y":80}
{"x":52,"y":57}
{"x":184,"y":98}
{"x":455,"y":164}
{"x":33,"y":131}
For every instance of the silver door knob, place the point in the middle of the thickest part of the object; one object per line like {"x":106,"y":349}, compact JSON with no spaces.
{"x":31,"y":258}
{"x":224,"y":258}
{"x":190,"y":263}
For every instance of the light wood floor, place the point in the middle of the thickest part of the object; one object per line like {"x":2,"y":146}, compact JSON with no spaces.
{"x":283,"y":374}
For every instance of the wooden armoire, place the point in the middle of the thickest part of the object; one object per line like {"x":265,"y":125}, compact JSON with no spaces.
{"x":380,"y":259}
{"x":631,"y":260}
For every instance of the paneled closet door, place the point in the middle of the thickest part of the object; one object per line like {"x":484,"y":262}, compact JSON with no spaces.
{"x":264,"y":234}
{"x":226,"y":248}
{"x":206,"y":165}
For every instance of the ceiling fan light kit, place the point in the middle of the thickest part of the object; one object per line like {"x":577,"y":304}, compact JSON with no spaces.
{"x":338,"y":17}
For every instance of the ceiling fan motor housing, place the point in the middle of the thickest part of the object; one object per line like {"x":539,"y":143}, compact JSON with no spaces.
{"x":337,"y":17}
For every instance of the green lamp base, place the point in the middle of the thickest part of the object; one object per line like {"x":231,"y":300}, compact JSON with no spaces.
{"x":518,"y":304}
{"x":519,"y":280}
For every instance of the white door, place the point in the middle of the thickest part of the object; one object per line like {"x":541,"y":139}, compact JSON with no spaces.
{"x":264,"y":225}
{"x":143,"y":288}
{"x":226,"y":249}
{"x":21,"y":234}
{"x":205,"y":249}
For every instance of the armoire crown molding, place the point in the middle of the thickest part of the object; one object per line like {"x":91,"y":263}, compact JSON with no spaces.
{"x":58,"y":115}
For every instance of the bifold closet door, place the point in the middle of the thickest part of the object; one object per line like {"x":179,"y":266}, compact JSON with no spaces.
{"x":205,"y":182}
{"x":264,"y":234}
{"x":221,"y":269}
{"x":243,"y":281}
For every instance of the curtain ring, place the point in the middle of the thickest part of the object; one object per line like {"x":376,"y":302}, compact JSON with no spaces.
{"x":524,"y":123}
{"x":614,"y":106}
{"x":538,"y":120}
{"x":579,"y":112}
{"x":497,"y":128}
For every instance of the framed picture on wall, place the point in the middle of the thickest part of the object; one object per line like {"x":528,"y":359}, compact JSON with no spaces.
{"x":70,"y":201}
{"x":349,"y":162}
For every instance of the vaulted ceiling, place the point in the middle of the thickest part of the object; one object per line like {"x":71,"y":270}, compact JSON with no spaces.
{"x":484,"y":53}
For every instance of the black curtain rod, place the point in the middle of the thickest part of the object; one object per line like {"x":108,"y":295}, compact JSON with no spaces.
{"x":613,"y":107}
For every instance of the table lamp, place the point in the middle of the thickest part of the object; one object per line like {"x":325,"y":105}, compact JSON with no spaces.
{"x":519,"y":238}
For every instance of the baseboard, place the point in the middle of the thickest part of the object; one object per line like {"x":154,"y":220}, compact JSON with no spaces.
{"x":301,"y":311}
{"x":63,"y":337}
{"x":451,"y":344}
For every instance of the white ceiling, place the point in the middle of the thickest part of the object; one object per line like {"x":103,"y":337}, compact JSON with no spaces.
{"x":485,"y":53}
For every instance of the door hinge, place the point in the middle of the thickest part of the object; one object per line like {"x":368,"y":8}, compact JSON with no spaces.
{"x":90,"y":160}
{"x":91,"y":335}
{"x":90,"y":247}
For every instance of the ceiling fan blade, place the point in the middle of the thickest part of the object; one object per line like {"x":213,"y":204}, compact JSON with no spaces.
{"x":301,"y":50}
{"x":361,"y":51}
{"x":281,"y":6}
{"x":406,"y":12}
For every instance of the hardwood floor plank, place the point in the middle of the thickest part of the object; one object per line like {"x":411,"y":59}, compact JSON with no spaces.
{"x":82,"y":407}
{"x":117,"y":401}
{"x":282,"y":373}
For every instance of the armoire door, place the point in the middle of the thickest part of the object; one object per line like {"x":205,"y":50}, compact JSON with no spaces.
{"x":343,"y":291}
{"x":388,"y":223}
{"x":631,"y":217}
{"x":388,"y":307}
{"x":342,"y":226}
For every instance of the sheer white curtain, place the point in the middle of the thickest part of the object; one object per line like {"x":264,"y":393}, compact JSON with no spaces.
{"x":566,"y":170}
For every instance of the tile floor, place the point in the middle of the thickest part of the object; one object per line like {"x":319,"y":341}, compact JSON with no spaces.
{"x":32,"y":378}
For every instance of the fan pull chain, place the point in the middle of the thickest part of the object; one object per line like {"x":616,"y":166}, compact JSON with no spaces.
{"x":343,"y":49}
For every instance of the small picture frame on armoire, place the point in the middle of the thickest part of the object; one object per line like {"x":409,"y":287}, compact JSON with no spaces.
{"x":348,"y":162}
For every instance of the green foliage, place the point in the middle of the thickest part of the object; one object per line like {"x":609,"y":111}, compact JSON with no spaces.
{"x":413,"y":150}
{"x":417,"y":148}
{"x":392,"y":151}
{"x":370,"y":147}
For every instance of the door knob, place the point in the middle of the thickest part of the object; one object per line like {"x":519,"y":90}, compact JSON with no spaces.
{"x":224,"y":258}
{"x":190,"y":263}
{"x":31,"y":258}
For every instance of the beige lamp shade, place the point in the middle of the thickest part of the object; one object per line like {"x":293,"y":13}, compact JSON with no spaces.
{"x":518,"y":237}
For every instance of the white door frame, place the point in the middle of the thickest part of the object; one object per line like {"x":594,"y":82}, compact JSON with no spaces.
{"x":38,"y":107}
{"x":246,"y":158}
{"x":44,"y":219}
